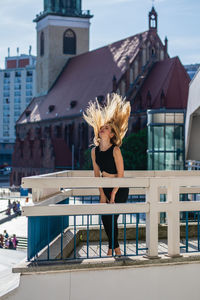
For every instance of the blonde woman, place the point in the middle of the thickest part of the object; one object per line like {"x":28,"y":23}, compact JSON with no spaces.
{"x":110,"y":123}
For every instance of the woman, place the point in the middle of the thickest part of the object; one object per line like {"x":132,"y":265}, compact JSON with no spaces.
{"x":110,"y":123}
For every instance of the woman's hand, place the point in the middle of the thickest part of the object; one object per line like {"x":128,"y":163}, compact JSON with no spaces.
{"x":103,"y":198}
{"x":112,"y":198}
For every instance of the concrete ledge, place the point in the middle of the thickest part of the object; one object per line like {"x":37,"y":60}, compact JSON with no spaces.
{"x":101,"y":263}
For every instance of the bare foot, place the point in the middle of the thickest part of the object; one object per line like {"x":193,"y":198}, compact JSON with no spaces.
{"x":118,"y":251}
{"x":109,"y":252}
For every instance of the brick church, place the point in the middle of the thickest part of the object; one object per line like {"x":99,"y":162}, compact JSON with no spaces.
{"x":51,"y":134}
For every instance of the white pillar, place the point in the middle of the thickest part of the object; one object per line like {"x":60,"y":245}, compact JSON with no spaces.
{"x":173,"y":216}
{"x":152,"y":197}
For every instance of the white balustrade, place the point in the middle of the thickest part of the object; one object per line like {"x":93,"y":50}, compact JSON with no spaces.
{"x":55,"y":187}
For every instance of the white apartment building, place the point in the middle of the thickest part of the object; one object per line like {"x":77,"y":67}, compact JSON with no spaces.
{"x":17,"y":88}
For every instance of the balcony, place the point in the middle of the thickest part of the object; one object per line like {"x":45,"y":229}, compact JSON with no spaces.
{"x":65,"y":233}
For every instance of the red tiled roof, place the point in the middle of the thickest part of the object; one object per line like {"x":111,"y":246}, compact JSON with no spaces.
{"x":85,"y":77}
{"x":171,"y":77}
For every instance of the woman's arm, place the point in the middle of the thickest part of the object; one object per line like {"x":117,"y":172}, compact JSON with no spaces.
{"x":97,"y":174}
{"x":120,"y":169}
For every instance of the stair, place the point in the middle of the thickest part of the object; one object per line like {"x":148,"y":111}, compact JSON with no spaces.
{"x":22,"y":243}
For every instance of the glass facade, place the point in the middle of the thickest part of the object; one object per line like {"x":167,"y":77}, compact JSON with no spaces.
{"x":166,"y":139}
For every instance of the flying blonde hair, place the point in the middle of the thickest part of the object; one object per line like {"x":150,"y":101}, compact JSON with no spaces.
{"x":116,"y":113}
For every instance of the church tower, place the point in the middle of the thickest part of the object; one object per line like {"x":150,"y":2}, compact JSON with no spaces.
{"x":153,"y":19}
{"x":62,"y":32}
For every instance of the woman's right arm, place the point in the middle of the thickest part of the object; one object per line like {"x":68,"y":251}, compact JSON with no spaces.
{"x":97,"y":174}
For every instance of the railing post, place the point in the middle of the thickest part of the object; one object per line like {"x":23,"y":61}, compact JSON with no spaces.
{"x":173,"y":218}
{"x":152,"y":197}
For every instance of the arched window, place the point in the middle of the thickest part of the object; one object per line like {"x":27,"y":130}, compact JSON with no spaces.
{"x":42,"y":43}
{"x":69,"y":42}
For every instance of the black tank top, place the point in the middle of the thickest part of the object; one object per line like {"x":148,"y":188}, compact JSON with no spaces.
{"x":105,"y":160}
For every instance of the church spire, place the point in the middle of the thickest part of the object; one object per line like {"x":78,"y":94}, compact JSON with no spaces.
{"x":153,"y":19}
{"x":67,"y":8}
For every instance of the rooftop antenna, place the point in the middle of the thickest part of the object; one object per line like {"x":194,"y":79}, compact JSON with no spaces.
{"x":153,"y":2}
{"x":8,"y":51}
{"x":17,"y":51}
{"x":30,"y":48}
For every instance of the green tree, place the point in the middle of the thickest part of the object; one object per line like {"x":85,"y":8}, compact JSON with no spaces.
{"x":87,"y":165}
{"x":134,"y":151}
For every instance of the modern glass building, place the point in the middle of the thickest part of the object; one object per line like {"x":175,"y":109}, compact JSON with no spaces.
{"x":166,"y":139}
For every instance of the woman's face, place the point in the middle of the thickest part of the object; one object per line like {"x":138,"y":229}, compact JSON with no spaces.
{"x":106,"y":132}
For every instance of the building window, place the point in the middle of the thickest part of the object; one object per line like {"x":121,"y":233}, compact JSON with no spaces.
{"x":28,"y":93}
{"x":6,"y":107}
{"x":6,"y":94}
{"x":29,"y":86}
{"x":29,"y":73}
{"x":42,"y":43}
{"x":7,"y":75}
{"x":29,"y":79}
{"x":6,"y":87}
{"x":28,"y":100}
{"x":58,"y":131}
{"x":69,"y":42}
{"x":17,"y":100}
{"x":5,"y":133}
{"x":17,"y":93}
{"x":6,"y":120}
{"x":16,"y":113}
{"x":6,"y":127}
{"x":17,"y":79}
{"x":6,"y":101}
{"x":17,"y":74}
{"x":6,"y":114}
{"x":6,"y":80}
{"x":17,"y":86}
{"x":17,"y":107}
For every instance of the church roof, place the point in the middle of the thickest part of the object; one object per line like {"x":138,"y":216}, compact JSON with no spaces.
{"x":85,"y":77}
{"x":168,"y":77}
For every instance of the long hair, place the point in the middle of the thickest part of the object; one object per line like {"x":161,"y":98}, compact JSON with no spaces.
{"x":116,"y":113}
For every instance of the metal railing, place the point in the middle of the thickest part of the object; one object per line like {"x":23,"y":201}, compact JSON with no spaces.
{"x":52,"y":216}
{"x":193,"y":165}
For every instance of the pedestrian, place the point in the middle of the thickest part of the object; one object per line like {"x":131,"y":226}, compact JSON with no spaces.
{"x":1,"y":240}
{"x":14,"y":206}
{"x":110,"y":123}
{"x":10,"y":244}
{"x":5,"y":234}
{"x":6,"y":243}
{"x":17,"y":208}
{"x":15,"y":242}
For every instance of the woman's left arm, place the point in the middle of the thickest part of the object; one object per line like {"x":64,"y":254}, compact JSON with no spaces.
{"x":120,"y":169}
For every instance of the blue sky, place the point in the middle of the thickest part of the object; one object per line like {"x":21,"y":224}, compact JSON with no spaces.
{"x":113,"y":20}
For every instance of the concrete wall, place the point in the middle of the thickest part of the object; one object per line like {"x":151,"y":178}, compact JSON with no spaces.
{"x":152,"y":282}
{"x":192,"y":138}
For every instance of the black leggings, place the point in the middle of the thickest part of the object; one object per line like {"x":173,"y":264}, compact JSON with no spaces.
{"x":120,"y":197}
